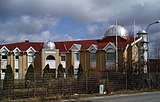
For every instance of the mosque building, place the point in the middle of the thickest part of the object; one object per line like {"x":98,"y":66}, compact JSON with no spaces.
{"x":116,"y":52}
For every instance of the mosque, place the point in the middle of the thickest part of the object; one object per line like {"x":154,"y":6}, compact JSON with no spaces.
{"x":116,"y":52}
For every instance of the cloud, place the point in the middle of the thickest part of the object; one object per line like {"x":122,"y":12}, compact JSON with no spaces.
{"x":92,"y":10}
{"x":42,"y":37}
{"x":94,"y":29}
{"x":27,"y":18}
{"x":30,"y":25}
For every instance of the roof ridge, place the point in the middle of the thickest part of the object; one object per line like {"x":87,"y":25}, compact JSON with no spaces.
{"x":20,"y":43}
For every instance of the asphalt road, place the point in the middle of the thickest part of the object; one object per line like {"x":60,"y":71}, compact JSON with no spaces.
{"x":142,"y":97}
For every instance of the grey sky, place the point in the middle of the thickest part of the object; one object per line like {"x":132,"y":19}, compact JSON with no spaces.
{"x":36,"y":19}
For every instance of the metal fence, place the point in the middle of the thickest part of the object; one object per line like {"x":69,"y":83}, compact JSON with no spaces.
{"x":85,"y":83}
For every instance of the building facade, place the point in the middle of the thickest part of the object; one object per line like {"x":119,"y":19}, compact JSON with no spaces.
{"x":116,"y":51}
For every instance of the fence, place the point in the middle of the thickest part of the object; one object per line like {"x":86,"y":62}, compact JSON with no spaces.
{"x":85,"y":83}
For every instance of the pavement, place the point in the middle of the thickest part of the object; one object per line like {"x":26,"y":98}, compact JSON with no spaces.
{"x":140,"y":97}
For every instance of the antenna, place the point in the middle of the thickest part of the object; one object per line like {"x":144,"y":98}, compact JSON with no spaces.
{"x":134,"y":41}
{"x":134,"y":30}
{"x":116,"y":49}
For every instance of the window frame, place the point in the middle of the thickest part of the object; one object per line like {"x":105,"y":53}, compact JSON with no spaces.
{"x":110,"y":57}
{"x":93,"y":60}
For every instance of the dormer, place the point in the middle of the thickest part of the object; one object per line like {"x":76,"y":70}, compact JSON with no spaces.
{"x":93,"y":48}
{"x":75,"y":47}
{"x":110,"y":47}
{"x":31,"y":51}
{"x":16,"y":51}
{"x":4,"y":50}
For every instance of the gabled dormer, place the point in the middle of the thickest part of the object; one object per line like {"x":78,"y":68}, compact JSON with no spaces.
{"x":4,"y":50}
{"x":31,"y":51}
{"x":75,"y":47}
{"x":16,"y":51}
{"x":109,"y":47}
{"x":93,"y":48}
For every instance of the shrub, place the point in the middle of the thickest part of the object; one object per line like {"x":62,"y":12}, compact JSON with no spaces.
{"x":61,"y":71}
{"x":80,"y":71}
{"x":29,"y":75}
{"x":8,"y":82}
{"x":71,"y":71}
{"x":46,"y":72}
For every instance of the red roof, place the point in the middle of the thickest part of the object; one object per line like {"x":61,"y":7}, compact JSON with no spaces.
{"x":85,"y":44}
{"x":121,"y":41}
{"x":23,"y":46}
{"x":66,"y":45}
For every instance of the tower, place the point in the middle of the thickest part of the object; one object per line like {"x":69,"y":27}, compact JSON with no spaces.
{"x":143,"y":51}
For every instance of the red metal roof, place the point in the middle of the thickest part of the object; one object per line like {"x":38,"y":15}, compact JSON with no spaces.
{"x":121,"y":41}
{"x":85,"y":44}
{"x":66,"y":45}
{"x":23,"y":46}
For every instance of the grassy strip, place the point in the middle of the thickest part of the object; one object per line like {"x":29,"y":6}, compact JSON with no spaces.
{"x":77,"y":96}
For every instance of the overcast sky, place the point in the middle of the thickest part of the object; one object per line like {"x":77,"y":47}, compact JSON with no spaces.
{"x":59,"y":20}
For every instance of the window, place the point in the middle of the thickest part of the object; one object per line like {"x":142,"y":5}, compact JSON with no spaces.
{"x":63,"y":58}
{"x":3,"y":66}
{"x":4,"y":62}
{"x":3,"y":70}
{"x":76,"y":56}
{"x":16,"y":70}
{"x":30,"y":60}
{"x":4,"y":56}
{"x":50,"y":58}
{"x":76,"y":62}
{"x":110,"y":56}
{"x":93,"y":60}
{"x":17,"y":57}
{"x":142,"y":57}
{"x":51,"y":61}
{"x":93,"y":57}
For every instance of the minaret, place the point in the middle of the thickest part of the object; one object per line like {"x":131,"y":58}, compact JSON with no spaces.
{"x":143,"y":51}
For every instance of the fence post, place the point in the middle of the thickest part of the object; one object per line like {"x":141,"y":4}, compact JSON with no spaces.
{"x":34,"y":87}
{"x":86,"y":83}
{"x":126,"y":77}
{"x":107,"y":78}
{"x":0,"y":89}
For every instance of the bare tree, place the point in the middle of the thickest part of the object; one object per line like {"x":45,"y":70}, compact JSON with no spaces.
{"x":155,"y":49}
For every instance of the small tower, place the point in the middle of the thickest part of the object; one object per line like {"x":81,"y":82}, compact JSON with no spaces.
{"x":143,"y":51}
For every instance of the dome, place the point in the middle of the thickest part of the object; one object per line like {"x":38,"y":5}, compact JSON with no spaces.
{"x":142,"y":31}
{"x":49,"y":45}
{"x":116,"y":29}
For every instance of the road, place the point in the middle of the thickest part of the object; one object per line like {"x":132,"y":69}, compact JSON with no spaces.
{"x":141,"y":97}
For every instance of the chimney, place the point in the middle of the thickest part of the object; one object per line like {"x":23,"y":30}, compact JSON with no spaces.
{"x":26,"y":40}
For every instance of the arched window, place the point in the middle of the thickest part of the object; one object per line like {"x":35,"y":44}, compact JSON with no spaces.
{"x":50,"y":57}
{"x":51,"y":61}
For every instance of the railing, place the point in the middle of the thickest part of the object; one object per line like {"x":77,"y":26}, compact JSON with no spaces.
{"x":86,"y":83}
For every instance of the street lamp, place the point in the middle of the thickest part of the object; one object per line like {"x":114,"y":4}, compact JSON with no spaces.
{"x":158,"y":21}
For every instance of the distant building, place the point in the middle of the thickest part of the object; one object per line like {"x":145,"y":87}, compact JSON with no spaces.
{"x":154,"y":65}
{"x":116,"y":51}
